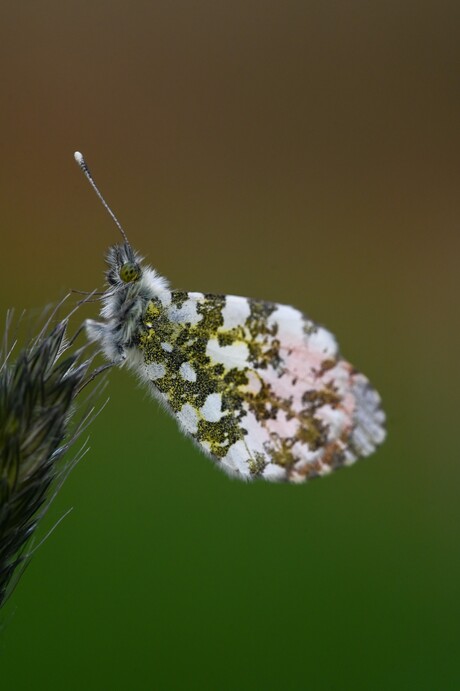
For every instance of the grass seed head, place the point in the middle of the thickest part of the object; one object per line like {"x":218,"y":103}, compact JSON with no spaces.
{"x":39,"y":421}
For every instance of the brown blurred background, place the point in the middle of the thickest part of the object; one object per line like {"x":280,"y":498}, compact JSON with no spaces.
{"x":304,"y":152}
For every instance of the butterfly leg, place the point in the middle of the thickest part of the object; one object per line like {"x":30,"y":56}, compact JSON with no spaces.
{"x":102,"y":334}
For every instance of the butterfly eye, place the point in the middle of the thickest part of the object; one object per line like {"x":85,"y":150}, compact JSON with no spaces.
{"x":129,"y":272}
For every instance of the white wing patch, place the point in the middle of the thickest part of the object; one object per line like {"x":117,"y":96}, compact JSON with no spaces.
{"x":187,"y":372}
{"x":235,"y":314}
{"x":185,"y":313}
{"x":155,"y":370}
{"x":211,"y":410}
{"x":232,"y":355}
{"x":188,"y":417}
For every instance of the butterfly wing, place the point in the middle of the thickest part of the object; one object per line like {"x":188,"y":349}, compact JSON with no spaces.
{"x":258,"y":386}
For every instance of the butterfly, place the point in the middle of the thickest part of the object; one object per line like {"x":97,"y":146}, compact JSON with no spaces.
{"x":258,"y":386}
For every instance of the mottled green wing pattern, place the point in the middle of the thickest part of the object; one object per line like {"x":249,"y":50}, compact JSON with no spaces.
{"x":258,"y":386}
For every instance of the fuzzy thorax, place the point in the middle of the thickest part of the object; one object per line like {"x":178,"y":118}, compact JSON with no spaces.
{"x":124,"y":302}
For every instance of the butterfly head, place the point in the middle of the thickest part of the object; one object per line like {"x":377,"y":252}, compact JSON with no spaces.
{"x":124,"y":265}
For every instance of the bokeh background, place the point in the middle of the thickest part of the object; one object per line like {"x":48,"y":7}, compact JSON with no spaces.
{"x":301,"y":151}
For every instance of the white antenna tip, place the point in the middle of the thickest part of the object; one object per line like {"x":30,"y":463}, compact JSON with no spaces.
{"x":82,"y":163}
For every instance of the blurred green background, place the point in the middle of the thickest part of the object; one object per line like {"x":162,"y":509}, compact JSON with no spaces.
{"x":304,"y":152}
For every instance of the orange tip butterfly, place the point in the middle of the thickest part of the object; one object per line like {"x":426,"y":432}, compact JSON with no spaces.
{"x":258,"y":386}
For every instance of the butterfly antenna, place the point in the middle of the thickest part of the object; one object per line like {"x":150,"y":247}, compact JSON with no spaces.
{"x":83,"y":165}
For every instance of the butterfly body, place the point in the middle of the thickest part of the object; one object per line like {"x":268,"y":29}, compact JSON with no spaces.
{"x":258,"y":386}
